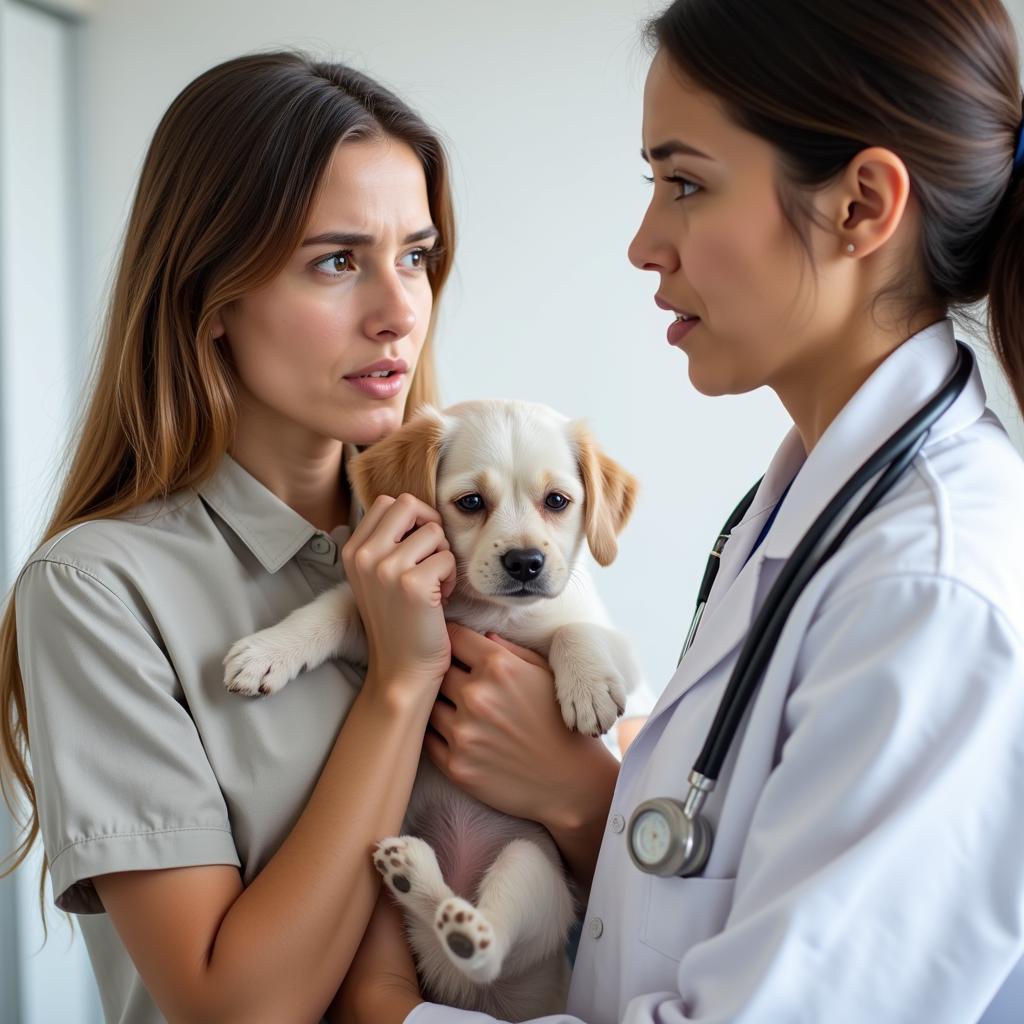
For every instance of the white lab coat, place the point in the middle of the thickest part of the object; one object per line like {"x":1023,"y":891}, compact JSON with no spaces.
{"x":868,"y":864}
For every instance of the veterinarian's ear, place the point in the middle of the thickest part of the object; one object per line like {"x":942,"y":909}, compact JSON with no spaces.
{"x":404,"y":462}
{"x":610,"y":495}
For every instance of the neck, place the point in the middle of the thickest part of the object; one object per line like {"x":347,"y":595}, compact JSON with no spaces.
{"x":815,"y":390}
{"x":303,"y":470}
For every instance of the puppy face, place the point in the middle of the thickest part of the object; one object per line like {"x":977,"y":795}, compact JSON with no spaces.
{"x":519,"y":489}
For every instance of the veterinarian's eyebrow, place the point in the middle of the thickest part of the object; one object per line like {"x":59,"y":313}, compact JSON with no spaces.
{"x":347,"y":238}
{"x":671,"y":148}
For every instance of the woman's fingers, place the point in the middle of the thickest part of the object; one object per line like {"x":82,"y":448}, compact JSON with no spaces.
{"x":472,"y":648}
{"x":522,"y":652}
{"x":426,"y":579}
{"x":468,"y":645}
{"x":391,"y":519}
{"x":418,"y":546}
{"x":442,"y":718}
{"x":371,"y":517}
{"x":437,"y":751}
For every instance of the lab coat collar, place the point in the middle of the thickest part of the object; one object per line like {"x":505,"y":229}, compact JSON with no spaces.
{"x":902,"y":384}
{"x":273,"y":531}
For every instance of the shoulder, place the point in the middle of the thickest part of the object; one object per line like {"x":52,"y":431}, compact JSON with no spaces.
{"x":117,"y":554}
{"x":953,"y":523}
{"x":98,"y":541}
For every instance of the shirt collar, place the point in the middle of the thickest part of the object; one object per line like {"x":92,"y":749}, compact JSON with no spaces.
{"x":903,"y":383}
{"x":273,"y":531}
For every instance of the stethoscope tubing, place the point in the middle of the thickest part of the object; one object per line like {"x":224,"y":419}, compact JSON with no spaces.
{"x":894,"y":456}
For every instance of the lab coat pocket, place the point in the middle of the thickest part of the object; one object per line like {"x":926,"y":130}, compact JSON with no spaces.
{"x":684,"y":911}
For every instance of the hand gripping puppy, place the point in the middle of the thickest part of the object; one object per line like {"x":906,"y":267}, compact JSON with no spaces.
{"x":519,"y":488}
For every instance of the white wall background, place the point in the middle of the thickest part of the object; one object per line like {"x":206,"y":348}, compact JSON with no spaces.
{"x":540,"y":102}
{"x":41,"y":348}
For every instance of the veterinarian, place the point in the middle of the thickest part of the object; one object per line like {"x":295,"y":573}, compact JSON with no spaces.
{"x":830,"y":181}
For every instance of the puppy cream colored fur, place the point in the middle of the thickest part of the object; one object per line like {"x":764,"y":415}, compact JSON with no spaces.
{"x":520,"y":490}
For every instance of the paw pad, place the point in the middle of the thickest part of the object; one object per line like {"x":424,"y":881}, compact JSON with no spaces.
{"x":468,"y":940}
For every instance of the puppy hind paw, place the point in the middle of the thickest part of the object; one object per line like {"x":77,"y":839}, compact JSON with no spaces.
{"x":409,"y":869}
{"x":469,"y":940}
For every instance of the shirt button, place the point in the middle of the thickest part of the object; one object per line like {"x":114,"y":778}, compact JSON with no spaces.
{"x":618,"y":823}
{"x":596,"y":927}
{"x":320,"y":545}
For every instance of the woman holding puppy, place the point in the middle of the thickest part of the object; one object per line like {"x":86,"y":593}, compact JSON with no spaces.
{"x":290,"y":236}
{"x":830,"y":181}
{"x":273,"y":308}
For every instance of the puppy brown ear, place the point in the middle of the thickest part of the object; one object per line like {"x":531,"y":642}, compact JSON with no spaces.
{"x":610,"y":495}
{"x":403,"y":462}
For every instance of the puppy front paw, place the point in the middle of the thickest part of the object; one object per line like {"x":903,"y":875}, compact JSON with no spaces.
{"x":261,"y":664}
{"x":591,"y":705}
{"x":591,"y":677}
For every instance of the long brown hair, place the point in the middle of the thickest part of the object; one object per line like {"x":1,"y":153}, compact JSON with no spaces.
{"x":224,"y":195}
{"x":935,"y":82}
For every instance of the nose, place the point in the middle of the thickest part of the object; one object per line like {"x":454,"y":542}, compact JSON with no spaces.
{"x":649,"y":250}
{"x":390,"y":314}
{"x":523,"y":564}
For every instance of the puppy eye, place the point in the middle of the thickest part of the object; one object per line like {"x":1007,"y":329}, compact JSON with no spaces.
{"x":556,"y":502}
{"x":470,"y":503}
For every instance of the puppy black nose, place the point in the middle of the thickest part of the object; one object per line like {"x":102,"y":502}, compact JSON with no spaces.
{"x":523,"y":564}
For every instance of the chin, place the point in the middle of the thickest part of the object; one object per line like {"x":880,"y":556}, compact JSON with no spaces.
{"x":713,"y":376}
{"x":711,"y":384}
{"x":363,"y":428}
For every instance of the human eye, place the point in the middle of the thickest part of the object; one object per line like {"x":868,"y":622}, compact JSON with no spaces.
{"x":336,"y":264}
{"x":423,"y":257}
{"x":417,"y":258}
{"x":686,"y":187}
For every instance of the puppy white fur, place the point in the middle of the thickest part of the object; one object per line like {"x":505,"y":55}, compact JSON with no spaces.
{"x":519,"y":488}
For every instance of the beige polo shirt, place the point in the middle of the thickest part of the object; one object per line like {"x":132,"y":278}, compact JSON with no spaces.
{"x":141,"y":757}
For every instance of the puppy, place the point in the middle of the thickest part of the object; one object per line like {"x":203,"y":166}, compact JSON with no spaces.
{"x":519,"y":488}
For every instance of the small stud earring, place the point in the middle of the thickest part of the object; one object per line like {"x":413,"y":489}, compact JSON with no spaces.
{"x":851,"y":248}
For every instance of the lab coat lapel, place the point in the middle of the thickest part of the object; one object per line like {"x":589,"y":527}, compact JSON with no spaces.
{"x":741,"y":583}
{"x":728,"y":614}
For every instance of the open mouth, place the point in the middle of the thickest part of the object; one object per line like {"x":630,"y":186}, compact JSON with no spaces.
{"x":385,"y":384}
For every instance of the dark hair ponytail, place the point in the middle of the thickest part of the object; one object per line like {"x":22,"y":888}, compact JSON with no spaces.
{"x":1006,"y":288}
{"x":935,"y":81}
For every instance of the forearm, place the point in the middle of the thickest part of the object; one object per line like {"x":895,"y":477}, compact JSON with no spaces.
{"x":577,"y":820}
{"x":384,"y":1004}
{"x":288,"y":939}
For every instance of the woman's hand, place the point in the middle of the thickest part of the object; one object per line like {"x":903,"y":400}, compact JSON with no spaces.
{"x":401,"y":570}
{"x":380,"y":986}
{"x":498,"y":734}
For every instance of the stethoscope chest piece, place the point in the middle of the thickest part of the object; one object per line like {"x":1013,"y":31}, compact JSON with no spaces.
{"x":664,"y":840}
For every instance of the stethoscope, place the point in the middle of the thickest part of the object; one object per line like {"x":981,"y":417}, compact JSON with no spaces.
{"x":668,"y":837}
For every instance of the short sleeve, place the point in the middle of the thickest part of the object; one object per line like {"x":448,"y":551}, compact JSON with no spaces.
{"x":121,"y":777}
